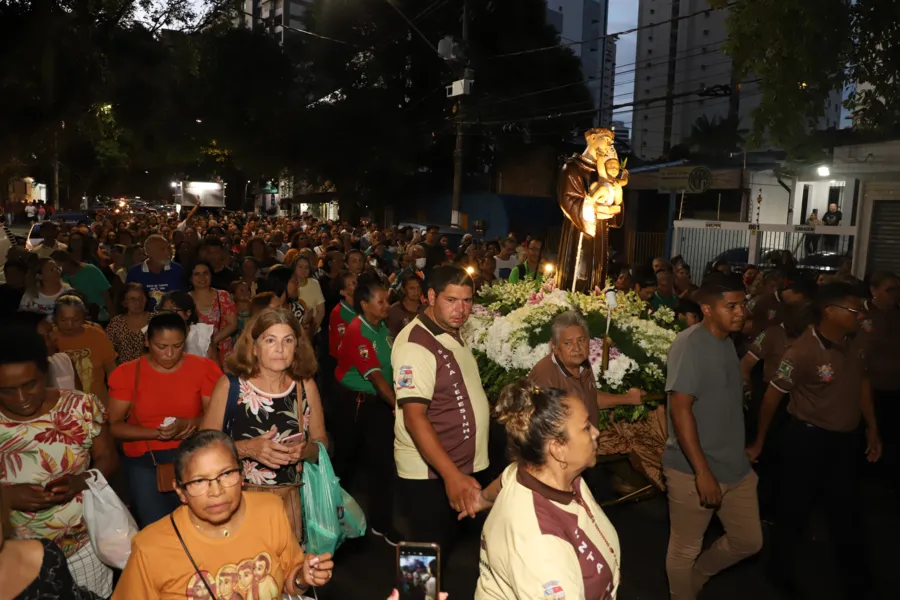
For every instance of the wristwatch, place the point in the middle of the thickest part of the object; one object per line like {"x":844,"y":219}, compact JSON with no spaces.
{"x":299,"y":583}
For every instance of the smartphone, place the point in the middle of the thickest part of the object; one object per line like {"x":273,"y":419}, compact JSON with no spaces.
{"x":57,"y":483}
{"x":293,"y":439}
{"x":418,"y":570}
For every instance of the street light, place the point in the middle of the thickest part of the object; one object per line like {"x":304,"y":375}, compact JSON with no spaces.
{"x":823,"y":171}
{"x":174,"y":184}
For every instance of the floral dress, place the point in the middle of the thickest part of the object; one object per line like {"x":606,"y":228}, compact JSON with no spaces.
{"x":222,"y":307}
{"x":43,"y":450}
{"x":256,"y":413}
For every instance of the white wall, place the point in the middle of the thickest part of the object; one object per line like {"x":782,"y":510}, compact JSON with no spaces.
{"x":818,"y":198}
{"x":775,"y":199}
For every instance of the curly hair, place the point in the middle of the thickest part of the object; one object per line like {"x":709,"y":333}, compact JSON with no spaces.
{"x":532,"y":416}
{"x":244,"y":363}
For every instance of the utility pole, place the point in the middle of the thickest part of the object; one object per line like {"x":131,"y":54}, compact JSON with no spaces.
{"x":460,"y":119}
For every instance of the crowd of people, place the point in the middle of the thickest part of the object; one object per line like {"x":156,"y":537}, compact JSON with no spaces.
{"x":198,"y":364}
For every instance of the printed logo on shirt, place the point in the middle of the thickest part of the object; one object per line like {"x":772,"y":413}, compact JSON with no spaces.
{"x":759,"y":339}
{"x":341,"y":328}
{"x":785,"y":369}
{"x":363,"y":352}
{"x":867,"y":325}
{"x":772,"y":314}
{"x":553,"y":591}
{"x":405,"y":381}
{"x":826,"y":373}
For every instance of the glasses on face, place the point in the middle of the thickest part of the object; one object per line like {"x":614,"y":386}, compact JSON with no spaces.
{"x":855,"y":311}
{"x":199,"y":487}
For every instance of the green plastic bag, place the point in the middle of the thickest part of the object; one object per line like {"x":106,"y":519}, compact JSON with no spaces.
{"x":330,"y":515}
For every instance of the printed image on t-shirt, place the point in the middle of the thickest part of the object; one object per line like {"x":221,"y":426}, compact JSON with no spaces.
{"x":84,"y":366}
{"x":248,"y":579}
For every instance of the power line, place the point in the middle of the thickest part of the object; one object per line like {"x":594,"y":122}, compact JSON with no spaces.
{"x":616,"y":34}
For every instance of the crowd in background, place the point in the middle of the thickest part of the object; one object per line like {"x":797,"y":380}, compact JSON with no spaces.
{"x":167,"y":324}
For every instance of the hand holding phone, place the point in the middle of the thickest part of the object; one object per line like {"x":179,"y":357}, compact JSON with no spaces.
{"x":418,"y":570}
{"x":293,"y":439}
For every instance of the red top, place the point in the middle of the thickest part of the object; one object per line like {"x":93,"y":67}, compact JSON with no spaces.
{"x":161,"y":395}
{"x":340,"y":318}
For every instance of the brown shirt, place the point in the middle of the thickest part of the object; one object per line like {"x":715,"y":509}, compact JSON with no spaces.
{"x":879,"y":336}
{"x":766,"y":310}
{"x":549,"y":373}
{"x":398,"y":318}
{"x":824,"y":380}
{"x":434,"y":368}
{"x":769,"y":347}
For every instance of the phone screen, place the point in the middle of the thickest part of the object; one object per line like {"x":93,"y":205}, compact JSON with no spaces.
{"x":418,"y":571}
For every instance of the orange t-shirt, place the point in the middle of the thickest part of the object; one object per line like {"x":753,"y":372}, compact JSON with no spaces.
{"x":252,"y":563}
{"x":90,"y":350}
{"x":161,"y":395}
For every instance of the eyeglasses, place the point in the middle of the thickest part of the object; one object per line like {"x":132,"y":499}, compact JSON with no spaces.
{"x":199,"y":487}
{"x":855,"y":311}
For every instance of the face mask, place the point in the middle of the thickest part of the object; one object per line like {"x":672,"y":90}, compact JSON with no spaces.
{"x":420,"y":263}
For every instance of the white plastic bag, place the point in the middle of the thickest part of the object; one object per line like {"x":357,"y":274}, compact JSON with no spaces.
{"x":110,"y":526}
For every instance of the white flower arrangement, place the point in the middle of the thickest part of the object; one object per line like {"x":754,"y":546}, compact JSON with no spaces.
{"x":511,"y":328}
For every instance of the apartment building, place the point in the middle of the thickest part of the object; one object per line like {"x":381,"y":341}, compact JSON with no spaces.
{"x":679,"y":65}
{"x":586,"y":21}
{"x":275,"y":15}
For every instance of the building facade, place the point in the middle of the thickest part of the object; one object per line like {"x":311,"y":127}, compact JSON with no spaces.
{"x":278,"y":16}
{"x":679,"y":68}
{"x":586,"y":21}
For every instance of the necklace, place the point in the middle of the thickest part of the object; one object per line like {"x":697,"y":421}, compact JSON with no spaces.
{"x":609,"y":547}
{"x":224,"y":530}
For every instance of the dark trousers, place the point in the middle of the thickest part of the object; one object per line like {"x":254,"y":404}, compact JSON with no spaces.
{"x":430,"y":519}
{"x":819,"y":465}
{"x":887,"y":414}
{"x":148,"y":504}
{"x":364,"y":431}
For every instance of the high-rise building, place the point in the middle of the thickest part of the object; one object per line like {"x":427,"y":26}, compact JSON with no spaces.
{"x":274,"y":15}
{"x":680,"y":76}
{"x":585,"y":21}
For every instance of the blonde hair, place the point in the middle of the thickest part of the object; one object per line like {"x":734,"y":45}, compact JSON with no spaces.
{"x":244,"y":363}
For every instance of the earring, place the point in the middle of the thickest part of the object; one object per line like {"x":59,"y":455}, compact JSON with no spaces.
{"x":565,"y":465}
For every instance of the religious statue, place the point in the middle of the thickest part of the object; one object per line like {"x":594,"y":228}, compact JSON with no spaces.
{"x":589,"y":192}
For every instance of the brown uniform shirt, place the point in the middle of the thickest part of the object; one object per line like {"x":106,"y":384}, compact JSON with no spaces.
{"x":435,"y":368}
{"x":540,"y":542}
{"x":398,"y":318}
{"x":879,"y":336}
{"x":766,"y":310}
{"x":824,"y":380}
{"x":549,"y":373}
{"x":769,"y":347}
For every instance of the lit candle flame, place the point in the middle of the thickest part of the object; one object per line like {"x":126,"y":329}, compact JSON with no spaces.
{"x":470,"y":270}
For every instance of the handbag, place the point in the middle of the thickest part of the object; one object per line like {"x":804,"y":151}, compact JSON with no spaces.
{"x":110,"y":526}
{"x":290,"y":497}
{"x":212,"y":594}
{"x":165,"y":472}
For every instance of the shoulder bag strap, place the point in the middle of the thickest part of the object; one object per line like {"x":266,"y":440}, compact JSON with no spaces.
{"x":191,"y":558}
{"x":234,"y":390}
{"x":134,"y":394}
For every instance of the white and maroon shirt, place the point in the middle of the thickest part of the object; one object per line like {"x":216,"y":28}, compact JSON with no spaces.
{"x":540,"y":542}
{"x":435,"y":368}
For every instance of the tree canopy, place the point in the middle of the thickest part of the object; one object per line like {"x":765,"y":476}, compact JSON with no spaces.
{"x":802,"y":51}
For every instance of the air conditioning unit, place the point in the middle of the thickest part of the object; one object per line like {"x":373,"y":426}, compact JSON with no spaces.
{"x":462,"y":87}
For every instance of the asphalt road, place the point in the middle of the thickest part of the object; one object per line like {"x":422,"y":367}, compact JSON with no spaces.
{"x":365,"y":568}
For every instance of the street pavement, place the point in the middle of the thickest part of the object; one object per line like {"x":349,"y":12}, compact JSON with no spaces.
{"x":365,"y":569}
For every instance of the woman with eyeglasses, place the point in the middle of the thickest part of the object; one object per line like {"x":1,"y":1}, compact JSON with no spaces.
{"x":43,"y":285}
{"x":222,"y":542}
{"x":155,"y":402}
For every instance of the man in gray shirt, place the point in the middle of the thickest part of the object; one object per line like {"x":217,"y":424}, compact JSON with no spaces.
{"x":705,"y":465}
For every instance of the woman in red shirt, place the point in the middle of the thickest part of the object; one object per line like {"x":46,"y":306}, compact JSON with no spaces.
{"x":155,"y":402}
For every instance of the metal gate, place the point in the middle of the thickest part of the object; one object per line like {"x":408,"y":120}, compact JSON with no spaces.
{"x":819,"y":248}
{"x":884,"y":239}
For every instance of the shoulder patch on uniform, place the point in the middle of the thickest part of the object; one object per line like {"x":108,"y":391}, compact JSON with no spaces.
{"x":363,"y":352}
{"x":553,"y":591}
{"x":341,"y":328}
{"x":786,"y":369}
{"x":759,"y":339}
{"x":405,"y":380}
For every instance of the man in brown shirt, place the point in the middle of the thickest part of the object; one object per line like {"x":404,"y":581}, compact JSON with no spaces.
{"x":768,"y":310}
{"x":825,"y":375}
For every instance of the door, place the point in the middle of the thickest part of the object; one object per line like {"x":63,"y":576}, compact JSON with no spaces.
{"x":884,"y":238}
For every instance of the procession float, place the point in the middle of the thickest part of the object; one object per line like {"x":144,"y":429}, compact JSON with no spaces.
{"x":509,"y":330}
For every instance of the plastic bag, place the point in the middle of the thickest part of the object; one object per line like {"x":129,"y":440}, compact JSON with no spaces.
{"x":110,"y":526}
{"x":330,"y":515}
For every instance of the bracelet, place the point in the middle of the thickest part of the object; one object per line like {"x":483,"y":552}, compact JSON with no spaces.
{"x":299,"y":583}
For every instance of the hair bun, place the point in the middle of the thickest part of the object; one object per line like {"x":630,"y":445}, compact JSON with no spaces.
{"x":515,"y":407}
